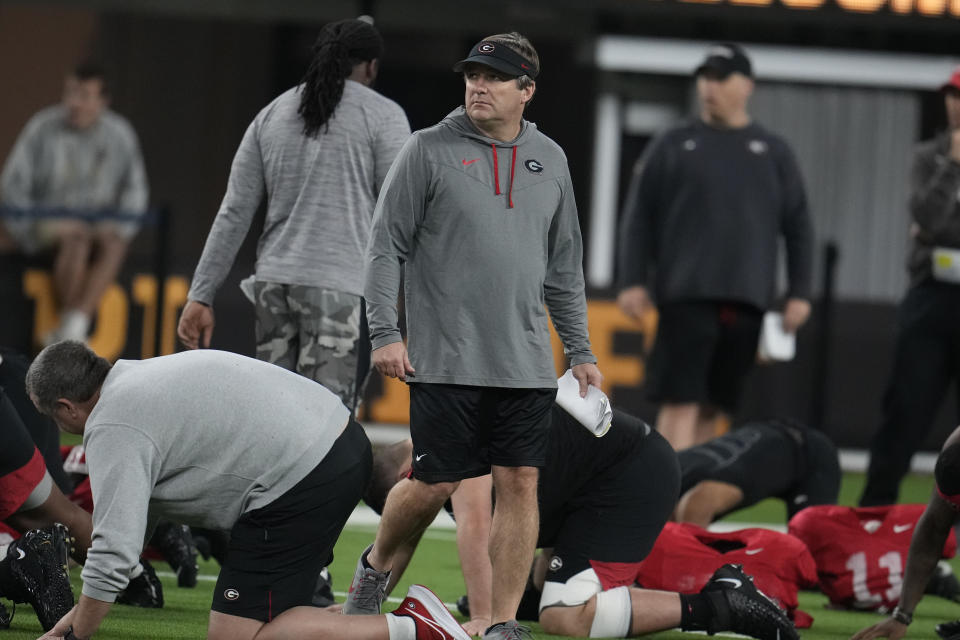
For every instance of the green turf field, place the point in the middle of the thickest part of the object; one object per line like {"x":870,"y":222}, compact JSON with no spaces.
{"x":436,"y":565}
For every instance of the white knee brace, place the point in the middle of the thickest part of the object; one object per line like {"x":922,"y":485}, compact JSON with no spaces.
{"x":614,"y":611}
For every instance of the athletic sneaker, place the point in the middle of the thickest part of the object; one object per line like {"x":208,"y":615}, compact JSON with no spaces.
{"x":38,"y":561}
{"x":176,"y":546}
{"x":368,"y":589}
{"x":143,"y":591}
{"x":509,"y":630}
{"x":430,"y":616}
{"x":323,"y":591}
{"x":944,"y":583}
{"x":5,"y":616}
{"x":949,"y":630}
{"x":740,"y":607}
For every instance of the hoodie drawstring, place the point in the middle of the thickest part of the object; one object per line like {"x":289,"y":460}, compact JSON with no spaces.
{"x":496,"y":173}
{"x":513,"y":162}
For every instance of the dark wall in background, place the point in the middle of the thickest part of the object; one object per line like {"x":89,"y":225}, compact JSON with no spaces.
{"x":191,"y":86}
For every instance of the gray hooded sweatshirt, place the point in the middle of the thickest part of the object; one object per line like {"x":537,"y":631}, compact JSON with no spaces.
{"x":488,"y":236}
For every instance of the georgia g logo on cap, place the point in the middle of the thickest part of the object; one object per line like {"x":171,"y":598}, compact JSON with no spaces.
{"x":485,"y":47}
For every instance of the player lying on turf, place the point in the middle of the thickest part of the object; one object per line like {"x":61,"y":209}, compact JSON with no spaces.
{"x":171,"y":437}
{"x":603,"y":501}
{"x":926,"y":545}
{"x":761,"y":459}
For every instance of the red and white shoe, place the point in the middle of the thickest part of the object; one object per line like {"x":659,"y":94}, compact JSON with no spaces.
{"x":429,"y":614}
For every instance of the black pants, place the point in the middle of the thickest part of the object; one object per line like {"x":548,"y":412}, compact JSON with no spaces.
{"x":926,"y":359}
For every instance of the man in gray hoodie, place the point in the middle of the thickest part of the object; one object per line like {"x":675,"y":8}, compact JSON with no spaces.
{"x":479,"y":210}
{"x":221,"y":441}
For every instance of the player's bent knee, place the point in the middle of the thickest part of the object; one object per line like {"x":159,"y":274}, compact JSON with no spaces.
{"x":565,"y":607}
{"x":612,"y":616}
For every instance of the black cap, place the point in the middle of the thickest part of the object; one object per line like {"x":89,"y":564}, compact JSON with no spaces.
{"x":724,"y":59}
{"x":500,"y":57}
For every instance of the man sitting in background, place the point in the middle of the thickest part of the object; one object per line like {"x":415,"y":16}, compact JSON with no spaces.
{"x":75,"y":182}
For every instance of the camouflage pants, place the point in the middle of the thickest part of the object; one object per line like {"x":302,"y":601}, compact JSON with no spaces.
{"x":318,"y":333}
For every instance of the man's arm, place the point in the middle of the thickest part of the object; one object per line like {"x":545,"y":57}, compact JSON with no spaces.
{"x":638,"y":233}
{"x":400,"y":209}
{"x":245,"y":191}
{"x":16,"y":181}
{"x":797,"y":230}
{"x":124,"y":466}
{"x":563,"y":286}
{"x":84,"y":619}
{"x":934,"y":188}
{"x":926,"y":547}
{"x":393,"y":132}
{"x":134,"y":193}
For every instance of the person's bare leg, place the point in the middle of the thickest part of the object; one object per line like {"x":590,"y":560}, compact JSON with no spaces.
{"x":411,"y":506}
{"x":74,"y":245}
{"x":513,"y":537}
{"x":677,"y":423}
{"x":57,"y":508}
{"x":401,"y":560}
{"x":706,"y":500}
{"x":651,"y":611}
{"x":299,"y":622}
{"x":111,"y":249}
{"x":711,"y":422}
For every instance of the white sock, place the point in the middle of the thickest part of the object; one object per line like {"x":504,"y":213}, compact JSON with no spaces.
{"x":3,"y":551}
{"x":401,"y":627}
{"x":74,"y":325}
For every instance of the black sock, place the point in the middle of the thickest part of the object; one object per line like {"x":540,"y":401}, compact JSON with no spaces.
{"x":695,"y":612}
{"x":10,"y":587}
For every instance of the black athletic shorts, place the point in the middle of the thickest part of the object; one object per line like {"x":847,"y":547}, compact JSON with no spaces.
{"x":611,"y":523}
{"x":703,"y":351}
{"x":459,"y":431}
{"x":276,"y":552}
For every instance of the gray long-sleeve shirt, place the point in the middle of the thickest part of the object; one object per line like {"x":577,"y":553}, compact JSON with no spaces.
{"x":54,"y":166}
{"x":198,"y":437}
{"x":704,"y":212}
{"x":320,"y":193}
{"x":487,"y":233}
{"x":934,"y":204}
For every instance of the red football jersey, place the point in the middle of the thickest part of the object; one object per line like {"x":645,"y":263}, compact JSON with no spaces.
{"x":685,"y":556}
{"x":861,"y":552}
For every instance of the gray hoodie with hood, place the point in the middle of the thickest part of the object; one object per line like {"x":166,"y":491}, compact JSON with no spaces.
{"x":486,"y":234}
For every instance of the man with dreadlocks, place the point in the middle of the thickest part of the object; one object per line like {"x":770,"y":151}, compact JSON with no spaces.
{"x":319,"y":153}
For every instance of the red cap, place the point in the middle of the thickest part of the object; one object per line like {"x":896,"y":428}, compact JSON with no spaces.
{"x":953,"y":82}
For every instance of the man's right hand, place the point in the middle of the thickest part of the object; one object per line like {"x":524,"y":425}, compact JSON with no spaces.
{"x":391,"y":360}
{"x":196,"y":325}
{"x":635,"y":302}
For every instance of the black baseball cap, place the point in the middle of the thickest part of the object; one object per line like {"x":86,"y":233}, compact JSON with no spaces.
{"x":724,"y":59}
{"x":500,"y":57}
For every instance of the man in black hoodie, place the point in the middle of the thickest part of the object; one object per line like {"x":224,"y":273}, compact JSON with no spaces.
{"x":707,"y":205}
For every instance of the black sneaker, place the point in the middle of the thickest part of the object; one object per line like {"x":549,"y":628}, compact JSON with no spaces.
{"x":949,"y":630}
{"x":176,"y":545}
{"x":463,"y":606}
{"x":143,"y":591}
{"x":740,"y":607}
{"x":6,"y":617}
{"x":38,"y":561}
{"x":944,"y":583}
{"x":323,"y":591}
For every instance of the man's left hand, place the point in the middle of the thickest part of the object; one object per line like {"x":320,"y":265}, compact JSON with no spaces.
{"x":587,"y":374}
{"x":795,"y":314}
